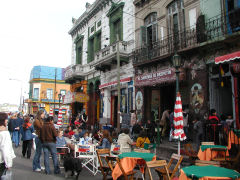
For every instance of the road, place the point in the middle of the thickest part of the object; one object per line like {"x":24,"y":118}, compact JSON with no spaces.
{"x":22,"y":170}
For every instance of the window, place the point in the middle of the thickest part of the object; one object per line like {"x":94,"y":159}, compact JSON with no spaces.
{"x":233,"y":10}
{"x":63,"y":92}
{"x":36,"y":93}
{"x":117,"y":30}
{"x":49,"y":93}
{"x":176,"y":19}
{"x":79,"y":45}
{"x":79,"y":56}
{"x":149,"y":30}
{"x":91,"y":50}
{"x":98,"y":42}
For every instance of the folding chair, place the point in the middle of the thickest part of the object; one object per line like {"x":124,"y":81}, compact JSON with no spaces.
{"x":157,"y":163}
{"x":151,"y":147}
{"x":127,"y":176}
{"x":174,"y":157}
{"x":111,"y":161}
{"x":192,"y":155}
{"x":103,"y":168}
{"x":87,"y":153}
{"x":62,"y":151}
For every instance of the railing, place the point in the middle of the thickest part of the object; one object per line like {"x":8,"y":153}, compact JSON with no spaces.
{"x":73,"y":70}
{"x":205,"y":31}
{"x":111,"y":49}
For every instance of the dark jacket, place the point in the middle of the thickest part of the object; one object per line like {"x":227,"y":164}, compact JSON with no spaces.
{"x":10,"y":125}
{"x":27,"y":133}
{"x":48,"y":133}
{"x":17,"y":123}
{"x":136,"y":129}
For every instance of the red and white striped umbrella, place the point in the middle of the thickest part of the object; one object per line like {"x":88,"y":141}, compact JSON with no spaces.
{"x":59,"y":122}
{"x":51,"y":112}
{"x":178,"y":132}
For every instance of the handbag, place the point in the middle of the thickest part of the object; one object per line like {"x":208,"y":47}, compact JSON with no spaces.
{"x":7,"y":175}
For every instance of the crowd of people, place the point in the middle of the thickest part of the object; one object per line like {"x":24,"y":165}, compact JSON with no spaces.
{"x":43,"y":135}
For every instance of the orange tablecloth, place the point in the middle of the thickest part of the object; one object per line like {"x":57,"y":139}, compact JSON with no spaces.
{"x":128,"y":164}
{"x":207,"y":156}
{"x":184,"y":177}
{"x":232,"y":139}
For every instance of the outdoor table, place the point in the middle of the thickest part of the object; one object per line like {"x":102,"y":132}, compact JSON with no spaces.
{"x":129,"y":161}
{"x":208,"y":173}
{"x":233,"y":138}
{"x":206,"y":154}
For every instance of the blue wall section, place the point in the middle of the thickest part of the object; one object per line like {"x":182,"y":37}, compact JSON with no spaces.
{"x":45,"y":72}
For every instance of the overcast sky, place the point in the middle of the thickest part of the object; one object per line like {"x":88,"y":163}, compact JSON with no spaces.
{"x":33,"y":32}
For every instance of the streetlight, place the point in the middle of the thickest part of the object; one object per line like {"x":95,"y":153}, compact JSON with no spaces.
{"x":59,"y":97}
{"x":176,"y":59}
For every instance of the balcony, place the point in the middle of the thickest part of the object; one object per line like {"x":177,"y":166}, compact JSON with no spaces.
{"x":108,"y":55}
{"x":74,"y":72}
{"x":206,"y":32}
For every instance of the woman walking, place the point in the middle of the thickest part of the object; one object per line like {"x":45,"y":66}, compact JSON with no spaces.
{"x":27,"y":137}
{"x":38,"y":123}
{"x":6,"y":150}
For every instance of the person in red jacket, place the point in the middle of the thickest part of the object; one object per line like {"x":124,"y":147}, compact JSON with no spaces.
{"x":213,"y":129}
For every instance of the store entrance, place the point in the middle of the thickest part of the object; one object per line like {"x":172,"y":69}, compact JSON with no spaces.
{"x":78,"y":107}
{"x":167,"y":98}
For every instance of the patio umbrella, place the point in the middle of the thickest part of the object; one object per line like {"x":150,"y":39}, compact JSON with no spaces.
{"x":59,"y":122}
{"x":178,"y":132}
{"x":51,"y":112}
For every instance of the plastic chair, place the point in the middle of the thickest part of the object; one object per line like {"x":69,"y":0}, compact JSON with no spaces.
{"x":89,"y":157}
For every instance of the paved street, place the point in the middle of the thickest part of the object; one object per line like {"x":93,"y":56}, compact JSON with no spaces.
{"x":22,"y":170}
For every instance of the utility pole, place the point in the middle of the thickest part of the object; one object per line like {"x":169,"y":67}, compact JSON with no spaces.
{"x":118,"y":84}
{"x":54,"y":93}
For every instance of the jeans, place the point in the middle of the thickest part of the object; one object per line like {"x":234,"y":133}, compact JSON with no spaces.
{"x":16,"y":138}
{"x":38,"y":152}
{"x":50,"y":147}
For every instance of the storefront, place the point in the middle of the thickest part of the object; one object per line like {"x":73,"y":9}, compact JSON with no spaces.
{"x":224,"y":86}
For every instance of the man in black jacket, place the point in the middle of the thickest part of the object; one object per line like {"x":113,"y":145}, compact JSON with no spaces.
{"x":137,"y":128}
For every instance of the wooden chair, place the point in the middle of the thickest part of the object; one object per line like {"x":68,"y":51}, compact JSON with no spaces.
{"x":162,"y":171}
{"x":157,"y":163}
{"x":151,"y":147}
{"x":233,"y":163}
{"x":111,"y":161}
{"x":103,"y":168}
{"x":207,"y":143}
{"x":207,"y":163}
{"x":127,"y":176}
{"x":192,"y":155}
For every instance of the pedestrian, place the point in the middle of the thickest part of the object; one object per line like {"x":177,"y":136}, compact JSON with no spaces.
{"x":137,"y":128}
{"x":10,"y":124}
{"x":6,"y":150}
{"x":48,"y":135}
{"x":38,"y":123}
{"x":198,"y":127}
{"x":163,"y":122}
{"x":185,"y":122}
{"x":212,"y":124}
{"x":133,"y":119}
{"x":150,"y":130}
{"x":26,"y":131}
{"x":171,"y":125}
{"x":84,"y":119}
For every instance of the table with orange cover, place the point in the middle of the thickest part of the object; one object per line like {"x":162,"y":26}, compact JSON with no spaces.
{"x":129,"y":161}
{"x":233,"y":138}
{"x":206,"y":154}
{"x":208,"y":173}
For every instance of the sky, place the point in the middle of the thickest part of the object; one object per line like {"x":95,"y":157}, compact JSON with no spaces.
{"x":33,"y":32}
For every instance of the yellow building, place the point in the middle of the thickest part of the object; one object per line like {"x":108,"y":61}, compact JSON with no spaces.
{"x":42,"y":88}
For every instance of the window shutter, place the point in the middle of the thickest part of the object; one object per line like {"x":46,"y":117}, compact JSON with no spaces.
{"x":143,"y":35}
{"x":154,"y":33}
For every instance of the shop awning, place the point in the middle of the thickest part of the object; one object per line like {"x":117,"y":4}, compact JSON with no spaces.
{"x":227,"y":57}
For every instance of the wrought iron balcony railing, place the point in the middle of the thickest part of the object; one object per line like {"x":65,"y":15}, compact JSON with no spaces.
{"x":205,"y":31}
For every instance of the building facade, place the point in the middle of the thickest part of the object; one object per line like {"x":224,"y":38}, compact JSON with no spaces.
{"x":94,"y":58}
{"x":199,"y":31}
{"x":42,"y":88}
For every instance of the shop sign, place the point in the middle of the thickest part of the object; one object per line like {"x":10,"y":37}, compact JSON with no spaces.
{"x":68,"y":98}
{"x":161,"y":76}
{"x":235,"y":69}
{"x":81,"y":97}
{"x":158,"y":77}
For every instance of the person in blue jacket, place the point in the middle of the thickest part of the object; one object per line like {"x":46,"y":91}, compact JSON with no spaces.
{"x":26,"y":131}
{"x":105,"y":142}
{"x":17,"y":123}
